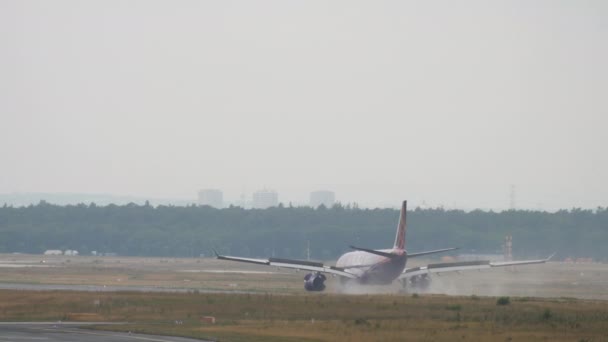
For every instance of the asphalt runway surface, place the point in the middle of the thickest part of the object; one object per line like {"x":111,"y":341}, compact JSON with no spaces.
{"x":69,"y":332}
{"x":91,"y":288}
{"x":111,"y":288}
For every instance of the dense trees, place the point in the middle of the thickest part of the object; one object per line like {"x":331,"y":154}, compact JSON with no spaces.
{"x":188,"y":231}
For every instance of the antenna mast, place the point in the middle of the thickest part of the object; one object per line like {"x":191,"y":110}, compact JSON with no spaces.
{"x":308,"y":251}
{"x":508,"y":248}
{"x":512,"y":197}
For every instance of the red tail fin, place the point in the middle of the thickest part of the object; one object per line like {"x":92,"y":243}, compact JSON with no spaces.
{"x":401,"y":228}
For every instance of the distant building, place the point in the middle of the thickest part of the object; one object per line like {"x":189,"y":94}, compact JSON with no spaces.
{"x":70,"y":252}
{"x":263,"y":199}
{"x":211,"y":197}
{"x":53,"y":252}
{"x":326,"y":198}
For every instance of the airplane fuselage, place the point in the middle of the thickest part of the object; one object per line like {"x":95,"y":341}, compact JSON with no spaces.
{"x":372,"y":268}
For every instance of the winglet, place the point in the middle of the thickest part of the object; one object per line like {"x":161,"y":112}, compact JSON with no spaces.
{"x":217,"y":256}
{"x":550,"y":256}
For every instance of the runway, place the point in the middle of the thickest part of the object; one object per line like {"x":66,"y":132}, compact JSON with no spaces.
{"x":69,"y":332}
{"x":109,"y":288}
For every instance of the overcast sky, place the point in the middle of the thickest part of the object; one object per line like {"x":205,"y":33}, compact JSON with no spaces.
{"x":448,"y":102}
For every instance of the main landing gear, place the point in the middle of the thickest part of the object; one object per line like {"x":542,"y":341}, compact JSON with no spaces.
{"x":418,"y":283}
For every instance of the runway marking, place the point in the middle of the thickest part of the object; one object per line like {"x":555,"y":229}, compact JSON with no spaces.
{"x":117,"y":334}
{"x":22,"y":265}
{"x":24,"y":338}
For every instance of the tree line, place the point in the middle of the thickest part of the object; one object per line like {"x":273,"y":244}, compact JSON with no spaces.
{"x":145,"y":230}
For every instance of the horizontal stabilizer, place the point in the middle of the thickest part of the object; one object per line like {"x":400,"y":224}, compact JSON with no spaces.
{"x":372,"y":251}
{"x":413,"y":255}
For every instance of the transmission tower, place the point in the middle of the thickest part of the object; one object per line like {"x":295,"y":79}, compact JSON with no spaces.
{"x":512,"y":198}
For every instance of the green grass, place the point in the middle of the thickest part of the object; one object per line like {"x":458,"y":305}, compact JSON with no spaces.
{"x":318,"y":317}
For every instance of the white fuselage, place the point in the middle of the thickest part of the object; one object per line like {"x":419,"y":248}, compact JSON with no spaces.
{"x":373,"y":268}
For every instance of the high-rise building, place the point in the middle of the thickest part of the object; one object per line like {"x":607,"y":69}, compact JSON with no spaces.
{"x":211,"y":197}
{"x":327,"y":198}
{"x":263,"y":199}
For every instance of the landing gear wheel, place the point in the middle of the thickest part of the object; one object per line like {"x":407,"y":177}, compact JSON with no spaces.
{"x":419,"y":283}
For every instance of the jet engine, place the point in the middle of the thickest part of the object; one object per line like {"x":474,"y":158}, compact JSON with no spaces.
{"x":314,"y":281}
{"x":420,"y":282}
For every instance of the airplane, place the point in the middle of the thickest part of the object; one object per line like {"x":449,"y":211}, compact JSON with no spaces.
{"x":378,"y":266}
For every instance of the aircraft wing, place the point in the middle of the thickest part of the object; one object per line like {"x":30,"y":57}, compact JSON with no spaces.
{"x":294,"y":264}
{"x":464,"y":266}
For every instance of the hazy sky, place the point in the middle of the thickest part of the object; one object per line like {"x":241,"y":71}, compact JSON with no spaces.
{"x":448,"y":102}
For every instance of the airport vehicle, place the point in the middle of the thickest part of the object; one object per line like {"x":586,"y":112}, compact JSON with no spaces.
{"x":370,"y":266}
